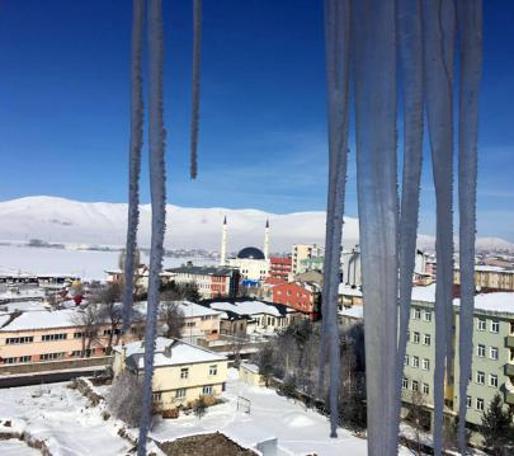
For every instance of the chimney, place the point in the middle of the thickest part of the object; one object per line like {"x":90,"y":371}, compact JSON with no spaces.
{"x":167,"y":350}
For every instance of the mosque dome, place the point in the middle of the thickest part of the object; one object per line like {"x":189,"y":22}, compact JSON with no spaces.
{"x":251,"y":253}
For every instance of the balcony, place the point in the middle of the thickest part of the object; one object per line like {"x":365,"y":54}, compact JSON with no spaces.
{"x":509,"y":341}
{"x":509,"y":370}
{"x":509,"y":397}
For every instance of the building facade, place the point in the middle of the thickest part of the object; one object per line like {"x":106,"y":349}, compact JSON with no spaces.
{"x":302,"y":297}
{"x":302,"y":253}
{"x":492,"y":278}
{"x":280,"y":267}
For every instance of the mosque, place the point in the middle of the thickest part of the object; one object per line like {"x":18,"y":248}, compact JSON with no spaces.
{"x":253,"y":263}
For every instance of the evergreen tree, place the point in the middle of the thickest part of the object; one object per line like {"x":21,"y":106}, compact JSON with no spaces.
{"x":497,"y":429}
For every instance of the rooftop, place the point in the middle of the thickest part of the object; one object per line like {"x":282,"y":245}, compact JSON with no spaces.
{"x":169,"y":352}
{"x":250,"y":308}
{"x":201,"y":270}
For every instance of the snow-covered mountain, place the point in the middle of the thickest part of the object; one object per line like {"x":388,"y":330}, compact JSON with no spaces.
{"x":62,"y":220}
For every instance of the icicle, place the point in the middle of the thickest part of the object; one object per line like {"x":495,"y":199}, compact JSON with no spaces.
{"x":337,"y":29}
{"x":197,"y":32}
{"x":158,"y":202}
{"x":136,"y":143}
{"x":470,"y":27}
{"x":439,"y":31}
{"x":374,"y":43}
{"x":411,"y":57}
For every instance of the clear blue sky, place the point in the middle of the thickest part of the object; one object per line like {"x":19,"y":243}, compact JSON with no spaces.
{"x":64,"y":106}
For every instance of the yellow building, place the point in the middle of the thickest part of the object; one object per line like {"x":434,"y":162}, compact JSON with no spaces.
{"x":182,"y":372}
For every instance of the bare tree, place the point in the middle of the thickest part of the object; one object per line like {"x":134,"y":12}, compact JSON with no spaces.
{"x":88,"y":321}
{"x":110,"y":310}
{"x":125,"y":398}
{"x":417,"y":413}
{"x":172,"y":316}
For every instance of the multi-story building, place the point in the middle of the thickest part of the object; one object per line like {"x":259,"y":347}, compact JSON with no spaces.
{"x":301,"y":296}
{"x":182,"y":372}
{"x":280,"y":267}
{"x":492,"y":278}
{"x":493,"y":353}
{"x":303,"y":252}
{"x":212,"y":282}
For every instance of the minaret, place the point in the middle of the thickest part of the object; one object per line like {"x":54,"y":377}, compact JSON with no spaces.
{"x":223,"y":253}
{"x":266,"y":240}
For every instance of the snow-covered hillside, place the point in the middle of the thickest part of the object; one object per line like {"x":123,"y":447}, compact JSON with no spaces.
{"x":62,"y":220}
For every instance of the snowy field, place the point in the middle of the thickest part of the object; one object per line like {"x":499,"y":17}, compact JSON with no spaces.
{"x":60,"y":416}
{"x":87,"y":264}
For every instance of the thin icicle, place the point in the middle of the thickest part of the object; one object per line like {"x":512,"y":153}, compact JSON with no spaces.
{"x":337,"y":29}
{"x":374,"y":43}
{"x":470,"y":28}
{"x":195,"y":111}
{"x":158,"y":203}
{"x":439,"y":33}
{"x":136,"y":143}
{"x":411,"y":68}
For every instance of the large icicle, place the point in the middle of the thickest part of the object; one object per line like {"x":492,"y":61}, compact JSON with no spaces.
{"x":195,"y":110}
{"x":158,"y":202}
{"x":337,"y":32}
{"x":411,"y":71}
{"x":136,"y":143}
{"x":469,"y":14}
{"x":374,"y":43}
{"x":439,"y":36}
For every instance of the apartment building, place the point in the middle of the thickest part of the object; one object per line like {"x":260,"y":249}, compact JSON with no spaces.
{"x":212,"y":282}
{"x":280,"y":267}
{"x":301,"y":296}
{"x":492,"y":278}
{"x":182,"y":372}
{"x":493,"y":353}
{"x":303,"y":252}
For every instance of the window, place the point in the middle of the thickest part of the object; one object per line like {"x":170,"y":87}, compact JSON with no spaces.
{"x":25,"y":359}
{"x":493,"y":380}
{"x":426,"y":364}
{"x":207,"y":389}
{"x":184,"y":372}
{"x":427,"y":339}
{"x":480,"y":324}
{"x":417,"y":314}
{"x":9,"y":360}
{"x":415,"y":361}
{"x":512,"y":327}
{"x":493,"y":353}
{"x":180,"y":393}
{"x":416,"y":338}
{"x":213,"y":370}
{"x":19,"y":340}
{"x":406,"y":360}
{"x":480,"y":404}
{"x":480,"y":377}
{"x":427,"y":315}
{"x":511,"y":354}
{"x":481,"y":350}
{"x":468,"y":401}
{"x":50,"y":356}
{"x":405,"y":383}
{"x":78,"y":335}
{"x":426,"y":388}
{"x":415,"y":385}
{"x":156,"y":396}
{"x":495,"y":326}
{"x":50,"y":337}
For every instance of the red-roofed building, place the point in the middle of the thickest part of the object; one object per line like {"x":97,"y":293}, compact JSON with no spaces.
{"x":280,"y":267}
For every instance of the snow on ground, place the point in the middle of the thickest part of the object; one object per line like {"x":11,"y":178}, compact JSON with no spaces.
{"x":59,"y":416}
{"x":299,"y":431}
{"x":15,"y":447}
{"x":87,"y":264}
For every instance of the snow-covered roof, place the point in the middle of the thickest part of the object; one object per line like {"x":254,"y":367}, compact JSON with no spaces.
{"x":190,"y":309}
{"x":169,"y":352}
{"x":347,"y":290}
{"x":28,"y":321}
{"x":22,"y":294}
{"x":250,"y":367}
{"x":353,"y":312}
{"x":493,"y":302}
{"x":247,"y":308}
{"x":424,"y":293}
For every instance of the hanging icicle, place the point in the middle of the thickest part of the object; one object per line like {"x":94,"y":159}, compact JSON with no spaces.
{"x":411,"y":71}
{"x":337,"y":27}
{"x":158,"y":203}
{"x":195,"y":111}
{"x":136,"y":143}
{"x":374,"y":47}
{"x":469,"y":15}
{"x":439,"y":32}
